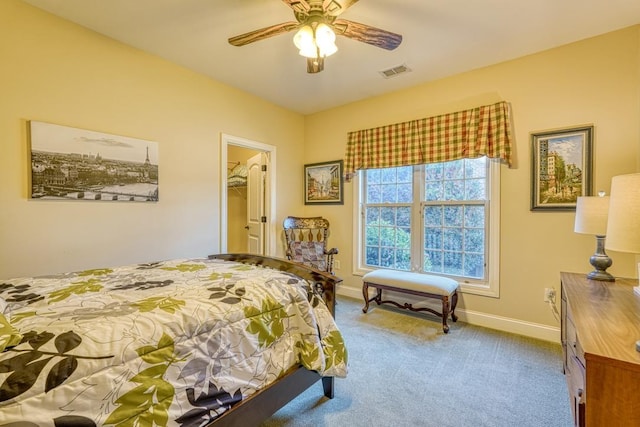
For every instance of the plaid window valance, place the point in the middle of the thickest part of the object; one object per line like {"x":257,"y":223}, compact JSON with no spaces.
{"x":481,"y":131}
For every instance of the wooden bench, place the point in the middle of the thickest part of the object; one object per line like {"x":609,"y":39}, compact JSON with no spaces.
{"x":423,"y":285}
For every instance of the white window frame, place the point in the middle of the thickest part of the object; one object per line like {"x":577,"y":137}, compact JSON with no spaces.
{"x":489,"y":287}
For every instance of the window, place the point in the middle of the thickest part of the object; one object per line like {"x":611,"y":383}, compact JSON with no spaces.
{"x":439,"y":218}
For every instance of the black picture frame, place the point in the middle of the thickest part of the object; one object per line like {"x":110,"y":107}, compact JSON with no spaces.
{"x":561,"y":168}
{"x":323,"y":183}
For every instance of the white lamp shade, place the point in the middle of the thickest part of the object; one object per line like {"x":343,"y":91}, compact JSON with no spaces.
{"x":326,"y":40}
{"x":591,"y":215}
{"x":623,"y":225}
{"x":304,"y":42}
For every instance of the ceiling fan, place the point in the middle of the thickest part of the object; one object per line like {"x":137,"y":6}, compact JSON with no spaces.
{"x":317,"y":25}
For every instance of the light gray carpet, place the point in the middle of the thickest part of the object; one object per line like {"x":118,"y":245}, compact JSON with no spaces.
{"x":403,"y":371}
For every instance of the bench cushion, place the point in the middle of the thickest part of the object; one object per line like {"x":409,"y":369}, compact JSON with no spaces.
{"x":414,"y":281}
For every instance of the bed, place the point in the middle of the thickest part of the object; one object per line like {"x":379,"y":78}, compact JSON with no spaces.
{"x":220,"y":341}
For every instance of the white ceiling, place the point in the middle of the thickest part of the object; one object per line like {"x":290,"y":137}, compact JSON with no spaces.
{"x":440,"y":38}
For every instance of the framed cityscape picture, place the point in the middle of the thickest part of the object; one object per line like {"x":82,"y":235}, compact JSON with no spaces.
{"x":561,"y":168}
{"x":78,"y":164}
{"x":323,"y":183}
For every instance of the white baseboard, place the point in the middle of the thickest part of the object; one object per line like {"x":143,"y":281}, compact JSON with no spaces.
{"x":491,"y":321}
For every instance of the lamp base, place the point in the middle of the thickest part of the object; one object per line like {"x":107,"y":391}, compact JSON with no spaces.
{"x":600,"y":261}
{"x":601,"y":275}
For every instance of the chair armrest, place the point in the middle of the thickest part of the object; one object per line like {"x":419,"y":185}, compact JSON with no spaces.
{"x":332,"y":251}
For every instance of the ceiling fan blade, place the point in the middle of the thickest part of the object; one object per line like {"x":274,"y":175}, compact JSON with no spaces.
{"x":367,"y":34}
{"x":336,"y":7}
{"x":263,"y":33}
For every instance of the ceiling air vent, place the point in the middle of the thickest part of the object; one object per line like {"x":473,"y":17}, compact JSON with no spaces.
{"x":392,"y":72}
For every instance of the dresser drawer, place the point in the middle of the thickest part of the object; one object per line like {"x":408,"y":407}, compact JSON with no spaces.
{"x":576,"y":384}
{"x":573,"y":344}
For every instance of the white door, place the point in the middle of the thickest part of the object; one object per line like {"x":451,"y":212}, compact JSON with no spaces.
{"x":256,"y":219}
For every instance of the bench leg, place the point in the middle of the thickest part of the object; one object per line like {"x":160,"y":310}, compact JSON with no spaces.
{"x":445,"y":314}
{"x":454,"y":303}
{"x":365,"y":293}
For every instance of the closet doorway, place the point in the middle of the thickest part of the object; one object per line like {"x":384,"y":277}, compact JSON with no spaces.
{"x":247,"y":196}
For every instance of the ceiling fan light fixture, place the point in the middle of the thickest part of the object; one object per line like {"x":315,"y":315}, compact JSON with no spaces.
{"x":318,"y":43}
{"x":325,"y":40}
{"x":304,"y":37}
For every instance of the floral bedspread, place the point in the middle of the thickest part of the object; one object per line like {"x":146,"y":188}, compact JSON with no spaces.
{"x":172,"y":343}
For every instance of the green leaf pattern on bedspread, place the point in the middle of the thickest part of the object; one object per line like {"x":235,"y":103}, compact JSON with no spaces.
{"x":173,"y":343}
{"x":91,"y":285}
{"x":266,"y":323}
{"x":148,"y":403}
{"x":170,"y":305}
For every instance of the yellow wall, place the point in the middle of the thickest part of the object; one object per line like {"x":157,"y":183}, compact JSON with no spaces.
{"x":55,"y":71}
{"x":595,"y":81}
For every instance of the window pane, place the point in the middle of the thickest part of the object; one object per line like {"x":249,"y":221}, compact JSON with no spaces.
{"x":372,"y":256}
{"x":405,"y":174}
{"x":474,"y":266}
{"x":387,"y":236}
{"x":452,"y":263}
{"x":434,"y":190}
{"x":474,"y":216}
{"x":452,"y":239}
{"x":403,"y":260}
{"x":433,"y":261}
{"x":388,"y":175}
{"x":388,"y":216}
{"x":373,"y":216}
{"x":387,"y":258}
{"x":433,"y":238}
{"x":405,"y":193}
{"x":474,"y":240}
{"x":475,"y":168}
{"x":453,"y":190}
{"x":372,"y":236}
{"x":454,"y":170}
{"x":453,"y":216}
{"x":404,"y":218}
{"x":403,"y":238}
{"x":374,"y":176}
{"x":433,"y":216}
{"x":433,"y":171}
{"x":389,"y":194}
{"x":475,"y":189}
{"x":374,"y":193}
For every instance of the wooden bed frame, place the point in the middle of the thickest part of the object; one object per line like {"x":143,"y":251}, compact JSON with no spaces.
{"x":263,"y":404}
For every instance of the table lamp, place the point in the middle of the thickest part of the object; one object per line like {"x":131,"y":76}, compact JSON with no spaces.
{"x":623,"y":224}
{"x":591,"y":218}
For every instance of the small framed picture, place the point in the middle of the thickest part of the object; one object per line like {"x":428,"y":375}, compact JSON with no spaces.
{"x":561,"y":168}
{"x":323,"y":183}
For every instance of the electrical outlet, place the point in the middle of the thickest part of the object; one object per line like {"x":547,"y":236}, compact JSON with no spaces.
{"x":549,"y":294}
{"x":336,"y":264}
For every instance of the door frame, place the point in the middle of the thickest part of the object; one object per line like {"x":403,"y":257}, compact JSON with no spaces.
{"x":270,"y":189}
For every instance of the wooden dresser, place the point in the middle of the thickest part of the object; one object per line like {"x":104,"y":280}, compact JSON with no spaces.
{"x":600,"y":327}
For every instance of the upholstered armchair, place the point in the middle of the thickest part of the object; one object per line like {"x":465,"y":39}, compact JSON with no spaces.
{"x":306,"y":240}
